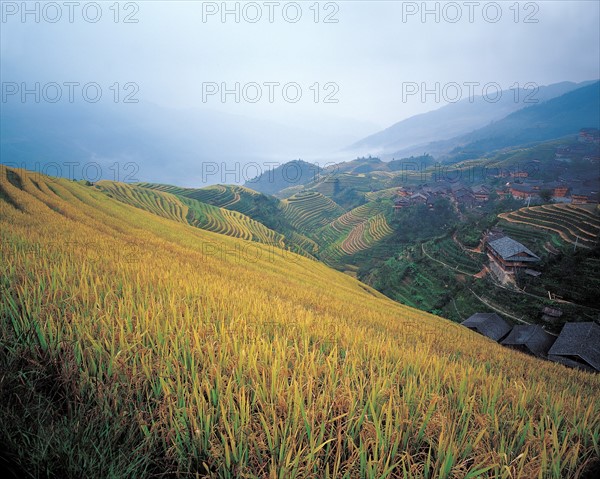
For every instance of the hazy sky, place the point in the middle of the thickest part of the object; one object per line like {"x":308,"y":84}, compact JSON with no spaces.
{"x":178,"y":49}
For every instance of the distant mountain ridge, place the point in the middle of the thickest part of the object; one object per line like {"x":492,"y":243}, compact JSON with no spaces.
{"x":411,"y":135}
{"x":555,"y":118}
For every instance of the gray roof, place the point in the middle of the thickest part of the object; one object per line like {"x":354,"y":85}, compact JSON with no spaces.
{"x":509,"y":249}
{"x":488,"y":324}
{"x":579,"y":340}
{"x":533,"y":272}
{"x":462,"y":193}
{"x":556,"y":312}
{"x":531,"y":339}
{"x":480,"y":189}
{"x":584,"y":191}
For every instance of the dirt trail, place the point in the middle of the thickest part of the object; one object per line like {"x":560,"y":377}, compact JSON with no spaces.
{"x":482,"y":274}
{"x":478,"y":249}
{"x":442,"y":263}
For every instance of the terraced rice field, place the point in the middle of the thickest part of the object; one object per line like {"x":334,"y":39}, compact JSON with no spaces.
{"x":536,"y":239}
{"x":158,"y":202}
{"x":573,"y":223}
{"x":385,"y":193}
{"x":217,"y":195}
{"x":364,"y":235}
{"x":362,"y":182}
{"x":233,"y":197}
{"x":310,"y":211}
{"x":190,"y":211}
{"x":449,"y":253}
{"x":175,"y":190}
{"x":356,"y":230}
{"x":230,"y":223}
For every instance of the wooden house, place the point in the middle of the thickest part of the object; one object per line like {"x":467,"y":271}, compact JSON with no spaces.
{"x":578,"y":346}
{"x":509,"y":255}
{"x":488,"y":324}
{"x":531,"y":339}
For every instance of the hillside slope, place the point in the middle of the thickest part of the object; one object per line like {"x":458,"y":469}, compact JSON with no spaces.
{"x":193,"y":212}
{"x":555,"y":118}
{"x":264,"y":211}
{"x":138,"y":346}
{"x":454,"y":119}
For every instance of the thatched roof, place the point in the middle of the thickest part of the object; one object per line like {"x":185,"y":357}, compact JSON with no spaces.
{"x":488,"y":324}
{"x":578,"y":345}
{"x":530,"y":338}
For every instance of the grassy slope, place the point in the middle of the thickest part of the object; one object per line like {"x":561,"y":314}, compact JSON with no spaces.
{"x":188,"y":210}
{"x":260,"y":208}
{"x":138,"y":345}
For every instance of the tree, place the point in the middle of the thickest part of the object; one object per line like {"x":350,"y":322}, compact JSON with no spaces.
{"x":546,"y":195}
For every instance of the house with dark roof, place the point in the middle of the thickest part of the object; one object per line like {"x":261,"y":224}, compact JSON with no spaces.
{"x":584,"y":195}
{"x":401,"y":202}
{"x":481,"y":193}
{"x":551,"y":315}
{"x":558,"y":189}
{"x":589,"y":135}
{"x":532,"y":272}
{"x":508,"y":256}
{"x":578,"y":346}
{"x":401,"y":191}
{"x":464,"y":197}
{"x":531,"y":339}
{"x":488,"y":324}
{"x":418,"y":199}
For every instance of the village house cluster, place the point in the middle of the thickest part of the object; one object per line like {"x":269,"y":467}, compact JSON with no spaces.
{"x":576,"y":191}
{"x":576,"y":346}
{"x":426,"y":195}
{"x":521,"y":183}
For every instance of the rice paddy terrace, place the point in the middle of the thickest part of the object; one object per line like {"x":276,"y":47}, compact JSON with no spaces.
{"x":387,"y":193}
{"x":310,"y":222}
{"x":181,"y":363}
{"x":363,"y":182}
{"x":232,"y":197}
{"x":355,"y":231}
{"x":238,"y":204}
{"x":573,"y":223}
{"x":308,"y":211}
{"x":449,"y":253}
{"x":163,"y":202}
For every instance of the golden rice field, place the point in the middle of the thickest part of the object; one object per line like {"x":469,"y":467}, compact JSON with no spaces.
{"x":137,"y":346}
{"x":191,"y":211}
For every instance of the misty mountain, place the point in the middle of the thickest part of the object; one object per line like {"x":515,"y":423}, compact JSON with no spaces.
{"x":191,"y":147}
{"x":554,"y":118}
{"x":411,"y":135}
{"x":292,"y":173}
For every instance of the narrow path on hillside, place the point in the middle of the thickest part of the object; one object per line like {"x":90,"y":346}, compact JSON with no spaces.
{"x":478,"y":249}
{"x":444,"y":264}
{"x":497,"y":309}
{"x":520,"y":291}
{"x":483,"y":273}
